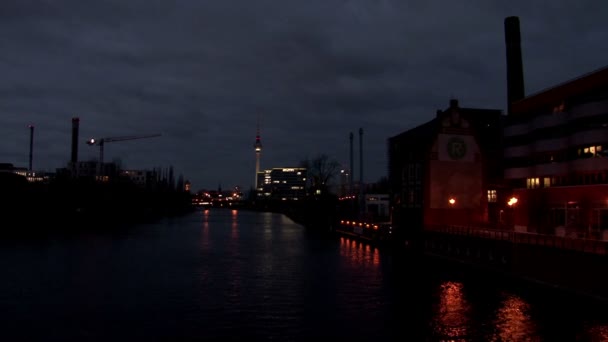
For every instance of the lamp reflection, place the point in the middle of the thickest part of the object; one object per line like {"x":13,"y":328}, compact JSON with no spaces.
{"x":452,"y":315}
{"x":596,"y":333}
{"x":205,"y":242}
{"x":513,"y":321}
{"x":357,"y":252}
{"x":234,"y":228}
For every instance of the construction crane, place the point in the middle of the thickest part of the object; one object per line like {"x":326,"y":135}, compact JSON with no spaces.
{"x":102,"y":141}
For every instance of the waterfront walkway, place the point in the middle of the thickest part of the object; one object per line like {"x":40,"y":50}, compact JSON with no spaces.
{"x":592,"y":246}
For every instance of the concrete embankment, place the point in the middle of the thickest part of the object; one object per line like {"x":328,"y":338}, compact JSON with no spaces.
{"x":579,"y":271}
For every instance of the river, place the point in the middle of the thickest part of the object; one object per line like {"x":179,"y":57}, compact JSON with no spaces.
{"x":226,"y":274}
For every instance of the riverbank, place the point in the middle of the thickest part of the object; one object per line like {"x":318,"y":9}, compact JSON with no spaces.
{"x":85,"y":205}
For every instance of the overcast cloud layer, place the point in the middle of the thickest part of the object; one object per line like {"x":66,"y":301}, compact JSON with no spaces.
{"x":201,"y":72}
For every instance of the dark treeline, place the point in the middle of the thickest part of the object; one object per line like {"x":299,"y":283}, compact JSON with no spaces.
{"x":83,"y":204}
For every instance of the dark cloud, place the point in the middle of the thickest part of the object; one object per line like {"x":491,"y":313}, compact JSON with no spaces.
{"x":201,"y":73}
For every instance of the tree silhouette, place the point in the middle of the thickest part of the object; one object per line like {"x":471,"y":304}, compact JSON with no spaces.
{"x":320,"y":170}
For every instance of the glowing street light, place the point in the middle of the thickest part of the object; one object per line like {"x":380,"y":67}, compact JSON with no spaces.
{"x":512,"y":201}
{"x":452,"y":201}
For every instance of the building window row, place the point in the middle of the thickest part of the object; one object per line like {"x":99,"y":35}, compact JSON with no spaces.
{"x":600,"y":177}
{"x":569,"y":154}
{"x":532,"y":183}
{"x":560,"y":131}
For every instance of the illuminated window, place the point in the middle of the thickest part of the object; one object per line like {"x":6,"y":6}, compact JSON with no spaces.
{"x":590,"y":151}
{"x":532,"y":183}
{"x":492,"y":196}
{"x":547,"y":182}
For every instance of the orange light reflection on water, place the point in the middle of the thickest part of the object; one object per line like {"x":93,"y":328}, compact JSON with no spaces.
{"x":513,"y":321}
{"x":357,"y":252}
{"x":234,"y":228}
{"x":452,"y":316}
{"x":596,"y":333}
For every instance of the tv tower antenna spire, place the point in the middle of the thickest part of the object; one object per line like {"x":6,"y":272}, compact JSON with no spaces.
{"x":258,"y":152}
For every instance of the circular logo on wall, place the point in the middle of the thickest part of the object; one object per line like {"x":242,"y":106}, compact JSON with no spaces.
{"x":457,"y":148}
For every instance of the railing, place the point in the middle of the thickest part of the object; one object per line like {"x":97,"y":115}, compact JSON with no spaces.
{"x":367,"y":230}
{"x":576,"y":244}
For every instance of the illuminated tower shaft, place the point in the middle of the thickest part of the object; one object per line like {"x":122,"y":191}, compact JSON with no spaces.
{"x":258,"y":154}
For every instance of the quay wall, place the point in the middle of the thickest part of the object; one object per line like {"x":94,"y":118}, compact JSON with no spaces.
{"x":578,"y":267}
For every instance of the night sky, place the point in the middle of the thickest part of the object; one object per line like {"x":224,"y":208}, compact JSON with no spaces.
{"x":202,"y":72}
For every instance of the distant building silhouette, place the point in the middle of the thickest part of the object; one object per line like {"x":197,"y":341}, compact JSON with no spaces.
{"x":30,"y":176}
{"x":286,"y":183}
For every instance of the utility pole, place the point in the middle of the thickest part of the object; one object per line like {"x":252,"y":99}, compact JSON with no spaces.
{"x":31,"y":127}
{"x":351,"y":187}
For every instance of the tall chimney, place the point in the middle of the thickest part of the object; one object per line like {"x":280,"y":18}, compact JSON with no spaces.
{"x":515,"y":69}
{"x":74,"y":158}
{"x":31,"y":146}
{"x":361,"y":193}
{"x":351,"y":179}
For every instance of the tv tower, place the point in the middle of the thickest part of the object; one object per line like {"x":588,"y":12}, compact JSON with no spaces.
{"x":258,"y":153}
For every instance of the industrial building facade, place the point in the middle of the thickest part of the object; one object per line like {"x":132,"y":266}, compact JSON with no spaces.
{"x":448,"y":170}
{"x":555,"y":158}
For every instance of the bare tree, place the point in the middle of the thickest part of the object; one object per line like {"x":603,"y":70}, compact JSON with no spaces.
{"x":320,"y":171}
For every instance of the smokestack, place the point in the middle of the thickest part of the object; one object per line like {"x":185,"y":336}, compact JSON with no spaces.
{"x":361,"y":198}
{"x":74,"y":158}
{"x":31,"y":146}
{"x":352,"y":168}
{"x":515,"y":69}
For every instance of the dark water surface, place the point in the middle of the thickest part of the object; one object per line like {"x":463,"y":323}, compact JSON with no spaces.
{"x":223,"y":274}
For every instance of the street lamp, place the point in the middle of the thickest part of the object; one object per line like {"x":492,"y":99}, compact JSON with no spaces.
{"x":452,"y":201}
{"x":512,"y":201}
